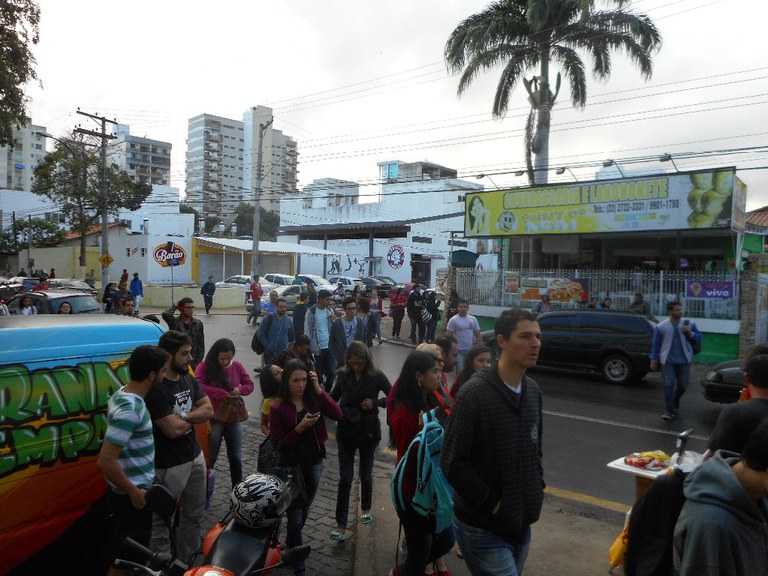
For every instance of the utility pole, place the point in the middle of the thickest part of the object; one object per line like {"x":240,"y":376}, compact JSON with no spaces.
{"x":105,"y":259}
{"x":257,"y":202}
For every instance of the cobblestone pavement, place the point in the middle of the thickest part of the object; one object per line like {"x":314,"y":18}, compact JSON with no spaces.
{"x":328,"y":558}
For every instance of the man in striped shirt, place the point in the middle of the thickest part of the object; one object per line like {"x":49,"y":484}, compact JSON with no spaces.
{"x":127,"y":456}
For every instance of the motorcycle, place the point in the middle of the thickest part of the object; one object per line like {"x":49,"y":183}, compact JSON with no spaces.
{"x":230,"y":548}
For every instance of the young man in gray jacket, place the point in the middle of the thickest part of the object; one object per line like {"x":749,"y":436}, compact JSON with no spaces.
{"x":491,"y":453}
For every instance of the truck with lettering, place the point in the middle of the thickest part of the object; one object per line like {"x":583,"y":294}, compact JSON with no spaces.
{"x":56,"y":376}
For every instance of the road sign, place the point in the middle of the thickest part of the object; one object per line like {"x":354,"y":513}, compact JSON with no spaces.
{"x":106,"y":260}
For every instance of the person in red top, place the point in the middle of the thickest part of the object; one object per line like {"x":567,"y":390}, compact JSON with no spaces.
{"x":124,"y":275}
{"x":256,"y":293}
{"x":397,"y":311}
{"x":419,"y":378}
{"x":53,"y":273}
{"x":42,"y":285}
{"x":222,"y":377}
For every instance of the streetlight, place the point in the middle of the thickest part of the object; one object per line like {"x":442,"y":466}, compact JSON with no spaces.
{"x":84,"y":168}
{"x":561,"y":171}
{"x":668,"y":158}
{"x":481,"y":176}
{"x":609,"y":163}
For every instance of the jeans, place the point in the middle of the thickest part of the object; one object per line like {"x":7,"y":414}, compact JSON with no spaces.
{"x":417,"y":323}
{"x":208,"y":300}
{"x":431,"y":327}
{"x":679,"y":374}
{"x":137,"y":301}
{"x":397,"y":322}
{"x":326,"y":368}
{"x":377,"y":324}
{"x":424,"y":546}
{"x":346,"y":475}
{"x":297,"y":518}
{"x":232,"y":432}
{"x":255,"y":311}
{"x":460,"y":360}
{"x":487,"y":553}
{"x":187,"y":483}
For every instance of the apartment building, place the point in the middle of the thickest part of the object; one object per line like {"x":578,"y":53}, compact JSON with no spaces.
{"x":145,"y":160}
{"x":17,"y":163}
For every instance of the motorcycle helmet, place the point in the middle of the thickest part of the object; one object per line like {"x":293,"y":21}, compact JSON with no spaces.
{"x":259,"y":500}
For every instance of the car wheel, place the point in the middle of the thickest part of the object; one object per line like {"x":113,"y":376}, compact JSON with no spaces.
{"x":616,"y":369}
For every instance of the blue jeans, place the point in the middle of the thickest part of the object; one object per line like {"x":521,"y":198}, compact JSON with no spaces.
{"x":377,"y":323}
{"x":297,"y":518}
{"x":488,"y":553}
{"x":232,"y":432}
{"x":676,"y":379}
{"x":255,"y":311}
{"x":424,"y":546}
{"x":431,"y":327}
{"x":461,"y":360}
{"x":347,"y":474}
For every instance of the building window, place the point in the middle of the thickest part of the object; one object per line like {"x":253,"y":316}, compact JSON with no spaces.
{"x":143,"y":252}
{"x":127,"y":252}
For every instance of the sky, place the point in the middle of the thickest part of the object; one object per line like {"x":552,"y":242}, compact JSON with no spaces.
{"x":357,"y":82}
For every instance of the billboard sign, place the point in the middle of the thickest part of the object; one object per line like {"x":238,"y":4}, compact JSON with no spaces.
{"x":694,"y":289}
{"x":683,"y":201}
{"x":169,"y":254}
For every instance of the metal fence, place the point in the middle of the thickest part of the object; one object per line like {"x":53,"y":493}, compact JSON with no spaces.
{"x":702,"y":295}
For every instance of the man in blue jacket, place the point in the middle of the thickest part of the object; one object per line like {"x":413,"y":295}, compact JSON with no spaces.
{"x":672,"y":350}
{"x":276,"y":331}
{"x":137,"y":289}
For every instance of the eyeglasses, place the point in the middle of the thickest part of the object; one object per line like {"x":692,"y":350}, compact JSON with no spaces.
{"x":351,"y":308}
{"x":189,"y":307}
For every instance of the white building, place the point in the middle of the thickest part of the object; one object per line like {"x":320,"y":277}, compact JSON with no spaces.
{"x":17,"y":163}
{"x":406,"y":234}
{"x":145,"y":160}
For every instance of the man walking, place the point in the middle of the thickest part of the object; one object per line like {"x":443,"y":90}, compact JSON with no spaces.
{"x":466,"y":329}
{"x":137,"y":289}
{"x":671,"y":348}
{"x":413,"y":307}
{"x":187,"y":324}
{"x":208,"y":290}
{"x":127,"y":455}
{"x":345,"y":330}
{"x":275,"y":332}
{"x":256,"y":293}
{"x":491,"y":453}
{"x":317,"y":325}
{"x":175,"y":406}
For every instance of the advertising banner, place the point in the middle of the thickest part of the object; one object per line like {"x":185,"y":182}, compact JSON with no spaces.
{"x":558,"y":289}
{"x":709,"y":289}
{"x":683,"y":201}
{"x":169,"y":254}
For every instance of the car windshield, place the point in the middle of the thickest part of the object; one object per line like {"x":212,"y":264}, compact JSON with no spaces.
{"x":86,"y":305}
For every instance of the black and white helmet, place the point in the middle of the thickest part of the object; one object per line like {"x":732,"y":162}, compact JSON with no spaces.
{"x":259,"y":500}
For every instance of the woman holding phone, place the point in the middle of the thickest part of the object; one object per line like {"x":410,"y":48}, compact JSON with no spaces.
{"x":297,"y":428}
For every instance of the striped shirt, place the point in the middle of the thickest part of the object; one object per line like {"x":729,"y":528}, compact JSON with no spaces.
{"x":129,"y":426}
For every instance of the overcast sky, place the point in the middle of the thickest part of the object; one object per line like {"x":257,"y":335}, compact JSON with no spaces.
{"x":357,"y":82}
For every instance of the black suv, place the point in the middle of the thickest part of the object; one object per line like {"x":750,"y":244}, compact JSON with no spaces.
{"x":616,"y":344}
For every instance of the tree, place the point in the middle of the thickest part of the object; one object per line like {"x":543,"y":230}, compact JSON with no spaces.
{"x":268,"y":225}
{"x":71,"y":177}
{"x":19,"y":21}
{"x":521,"y":35}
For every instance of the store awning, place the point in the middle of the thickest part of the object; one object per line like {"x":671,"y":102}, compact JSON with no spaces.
{"x":233,"y":245}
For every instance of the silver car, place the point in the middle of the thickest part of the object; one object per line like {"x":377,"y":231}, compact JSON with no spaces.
{"x":288,"y":293}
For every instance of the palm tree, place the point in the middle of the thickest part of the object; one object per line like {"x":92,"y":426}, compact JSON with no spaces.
{"x":521,"y":35}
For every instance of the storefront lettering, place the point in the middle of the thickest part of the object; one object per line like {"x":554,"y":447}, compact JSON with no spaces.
{"x":54,"y":414}
{"x":625,"y":191}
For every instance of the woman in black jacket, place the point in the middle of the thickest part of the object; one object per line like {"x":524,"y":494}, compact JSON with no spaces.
{"x":357,"y":389}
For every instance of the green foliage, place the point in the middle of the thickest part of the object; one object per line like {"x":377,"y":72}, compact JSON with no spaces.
{"x":43,"y":233}
{"x":270,"y":224}
{"x":19,"y":20}
{"x":71,"y":177}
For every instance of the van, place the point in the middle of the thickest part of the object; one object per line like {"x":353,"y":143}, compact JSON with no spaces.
{"x":56,"y":376}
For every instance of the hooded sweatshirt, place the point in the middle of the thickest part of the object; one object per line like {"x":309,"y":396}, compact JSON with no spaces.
{"x":721,"y":531}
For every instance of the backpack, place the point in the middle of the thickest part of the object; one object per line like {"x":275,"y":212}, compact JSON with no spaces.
{"x":432,"y":498}
{"x":652,"y":526}
{"x":256,"y":344}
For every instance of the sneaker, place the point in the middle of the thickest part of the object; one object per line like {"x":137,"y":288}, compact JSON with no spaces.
{"x":668,"y":415}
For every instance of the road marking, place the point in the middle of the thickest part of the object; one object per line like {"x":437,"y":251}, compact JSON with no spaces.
{"x":621,"y":424}
{"x":586,"y":499}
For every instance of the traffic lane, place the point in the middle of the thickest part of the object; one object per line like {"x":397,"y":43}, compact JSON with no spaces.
{"x":588,"y":423}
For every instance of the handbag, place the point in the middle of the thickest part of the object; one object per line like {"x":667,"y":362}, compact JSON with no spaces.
{"x":268,"y":457}
{"x":298,"y":488}
{"x":425,"y":315}
{"x":231,"y":409}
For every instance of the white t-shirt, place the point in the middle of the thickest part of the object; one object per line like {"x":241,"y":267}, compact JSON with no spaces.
{"x":464,"y":329}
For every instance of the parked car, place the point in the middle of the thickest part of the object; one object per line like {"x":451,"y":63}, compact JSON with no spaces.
{"x":372,"y":283}
{"x":387,"y":282}
{"x":71,"y":284}
{"x":348,"y":283}
{"x":288,"y":293}
{"x":279,"y":279}
{"x":319,"y":281}
{"x":724,"y":382}
{"x":616,"y":344}
{"x":27,"y":281}
{"x":238,"y":281}
{"x":48,"y":302}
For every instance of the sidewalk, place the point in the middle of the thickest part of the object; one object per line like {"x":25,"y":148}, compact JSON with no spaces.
{"x":570,"y":537}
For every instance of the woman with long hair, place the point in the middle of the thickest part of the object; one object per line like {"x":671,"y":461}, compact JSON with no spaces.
{"x":397,"y":311}
{"x":478,"y":357}
{"x":65,"y":308}
{"x":106,"y":297}
{"x":357,"y":388}
{"x":222,"y":377}
{"x":364,"y":313}
{"x":419,"y":378}
{"x":26,"y":308}
{"x":297,"y":428}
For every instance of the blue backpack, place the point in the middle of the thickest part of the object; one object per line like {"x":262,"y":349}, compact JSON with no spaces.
{"x":433,"y":498}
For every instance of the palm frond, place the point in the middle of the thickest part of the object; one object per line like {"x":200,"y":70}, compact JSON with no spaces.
{"x":573,"y":68}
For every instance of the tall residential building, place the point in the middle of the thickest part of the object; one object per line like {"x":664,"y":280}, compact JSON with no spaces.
{"x":280,"y":174}
{"x":17,"y":164}
{"x":222,"y":155}
{"x":214,"y":164}
{"x":146,"y":161}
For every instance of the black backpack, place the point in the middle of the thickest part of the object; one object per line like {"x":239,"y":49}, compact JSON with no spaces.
{"x":652,"y":525}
